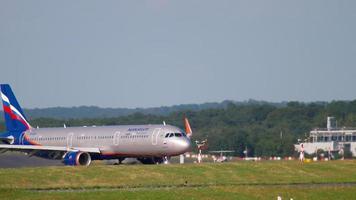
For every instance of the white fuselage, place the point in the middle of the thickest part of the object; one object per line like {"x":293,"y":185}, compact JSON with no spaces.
{"x":114,"y":141}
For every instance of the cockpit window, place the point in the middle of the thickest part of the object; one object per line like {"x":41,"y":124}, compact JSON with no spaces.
{"x":174,"y":135}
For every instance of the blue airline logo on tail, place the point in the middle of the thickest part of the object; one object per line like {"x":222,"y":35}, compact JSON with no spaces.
{"x":14,"y":117}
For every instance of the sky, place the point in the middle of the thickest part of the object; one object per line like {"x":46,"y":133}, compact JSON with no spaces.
{"x":148,"y":53}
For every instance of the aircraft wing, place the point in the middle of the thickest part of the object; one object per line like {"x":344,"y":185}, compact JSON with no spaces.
{"x":47,"y":148}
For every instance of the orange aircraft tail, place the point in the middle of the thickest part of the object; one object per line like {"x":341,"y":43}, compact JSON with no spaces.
{"x":188,"y":130}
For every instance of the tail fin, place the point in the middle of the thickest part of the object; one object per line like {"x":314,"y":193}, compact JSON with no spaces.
{"x":15,"y":120}
{"x":188,"y":130}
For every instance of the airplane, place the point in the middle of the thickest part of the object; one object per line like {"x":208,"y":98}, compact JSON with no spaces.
{"x":150,"y":144}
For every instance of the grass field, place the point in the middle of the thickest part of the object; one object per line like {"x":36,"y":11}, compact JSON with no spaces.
{"x":238,"y":180}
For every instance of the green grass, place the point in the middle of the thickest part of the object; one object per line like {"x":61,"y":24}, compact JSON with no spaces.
{"x":238,"y":180}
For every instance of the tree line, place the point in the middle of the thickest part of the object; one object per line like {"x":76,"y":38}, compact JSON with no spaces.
{"x":264,"y":129}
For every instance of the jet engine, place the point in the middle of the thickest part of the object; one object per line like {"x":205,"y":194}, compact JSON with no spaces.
{"x":77,"y":158}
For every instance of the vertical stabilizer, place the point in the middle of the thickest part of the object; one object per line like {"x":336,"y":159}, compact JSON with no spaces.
{"x":15,"y":120}
{"x":188,"y":130}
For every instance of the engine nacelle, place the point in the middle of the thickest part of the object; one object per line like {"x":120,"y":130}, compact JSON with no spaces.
{"x":77,"y":158}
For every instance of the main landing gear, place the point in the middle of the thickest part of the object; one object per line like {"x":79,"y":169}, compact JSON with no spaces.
{"x":154,"y":160}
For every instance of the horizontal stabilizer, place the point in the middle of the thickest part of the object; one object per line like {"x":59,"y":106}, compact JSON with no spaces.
{"x":7,"y":140}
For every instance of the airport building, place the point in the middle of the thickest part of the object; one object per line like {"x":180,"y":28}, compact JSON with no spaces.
{"x":331,"y":139}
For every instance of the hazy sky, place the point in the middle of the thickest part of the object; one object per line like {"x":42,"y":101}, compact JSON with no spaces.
{"x":162,"y":52}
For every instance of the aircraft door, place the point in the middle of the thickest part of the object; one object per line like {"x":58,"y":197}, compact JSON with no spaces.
{"x":117,"y":138}
{"x":69,"y":140}
{"x":155,"y":136}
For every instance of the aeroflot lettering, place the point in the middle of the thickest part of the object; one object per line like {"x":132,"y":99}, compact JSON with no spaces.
{"x":137,"y":129}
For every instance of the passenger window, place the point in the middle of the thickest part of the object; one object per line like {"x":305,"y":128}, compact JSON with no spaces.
{"x":166,"y":135}
{"x":171,"y":135}
{"x":178,"y":135}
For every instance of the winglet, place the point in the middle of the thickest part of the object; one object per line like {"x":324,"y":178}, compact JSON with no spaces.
{"x":188,"y":130}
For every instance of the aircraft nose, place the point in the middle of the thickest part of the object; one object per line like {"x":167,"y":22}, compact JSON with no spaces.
{"x":183,"y":145}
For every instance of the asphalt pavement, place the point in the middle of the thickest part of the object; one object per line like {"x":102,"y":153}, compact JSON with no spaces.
{"x":19,"y":159}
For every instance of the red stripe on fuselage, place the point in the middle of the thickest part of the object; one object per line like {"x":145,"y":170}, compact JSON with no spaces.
{"x":30,"y":141}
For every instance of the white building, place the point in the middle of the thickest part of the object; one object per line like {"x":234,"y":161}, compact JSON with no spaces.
{"x":330,"y":139}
